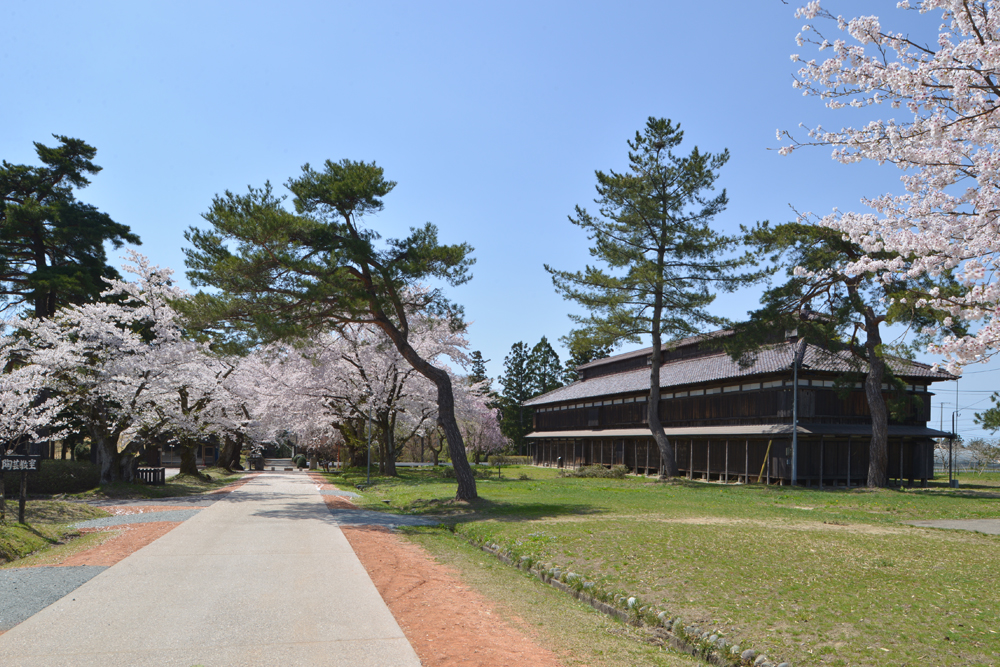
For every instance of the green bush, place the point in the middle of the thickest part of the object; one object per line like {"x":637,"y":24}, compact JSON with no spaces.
{"x":56,"y":476}
{"x":507,"y":460}
{"x":300,"y":461}
{"x":614,"y":472}
{"x":81,"y":452}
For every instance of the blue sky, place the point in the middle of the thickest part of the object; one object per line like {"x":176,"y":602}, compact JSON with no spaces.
{"x":492,"y":117}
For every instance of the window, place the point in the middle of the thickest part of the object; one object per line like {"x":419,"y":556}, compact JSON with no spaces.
{"x":696,"y":392}
{"x":752,"y":386}
{"x":640,"y":399}
{"x":730,"y":388}
{"x":714,"y":390}
{"x":772,"y":384}
{"x":680,"y":394}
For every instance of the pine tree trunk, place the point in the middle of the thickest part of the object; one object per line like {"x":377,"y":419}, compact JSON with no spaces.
{"x":668,"y":462}
{"x":878,"y":453}
{"x":446,"y":411}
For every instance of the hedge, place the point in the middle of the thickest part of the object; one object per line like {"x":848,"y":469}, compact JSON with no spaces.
{"x":55,"y":476}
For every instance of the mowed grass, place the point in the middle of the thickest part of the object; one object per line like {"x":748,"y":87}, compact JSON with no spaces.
{"x":47,"y":523}
{"x":813,"y":577}
{"x":178,"y":485}
{"x":47,"y":533}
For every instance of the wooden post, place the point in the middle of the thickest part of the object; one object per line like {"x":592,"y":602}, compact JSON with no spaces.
{"x":24,"y":496}
{"x":708,"y":460}
{"x":900,"y":463}
{"x":746,"y":463}
{"x":3,"y":504}
{"x":647,"y":458}
{"x":849,"y":438}
{"x":727,"y":461}
{"x":822,"y":440}
{"x":690,"y":459}
{"x":635,"y":455}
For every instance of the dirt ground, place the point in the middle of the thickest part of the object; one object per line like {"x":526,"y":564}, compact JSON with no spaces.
{"x":446,"y":622}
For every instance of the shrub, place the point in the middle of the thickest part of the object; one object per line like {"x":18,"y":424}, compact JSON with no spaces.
{"x":300,"y":461}
{"x":615,"y":472}
{"x":81,"y":452}
{"x":507,"y":460}
{"x":56,"y":476}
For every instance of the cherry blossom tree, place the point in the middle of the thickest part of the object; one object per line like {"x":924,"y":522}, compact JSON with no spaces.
{"x":104,"y":359}
{"x":339,"y":378}
{"x":27,"y":411}
{"x":947,"y":218}
{"x":478,"y":421}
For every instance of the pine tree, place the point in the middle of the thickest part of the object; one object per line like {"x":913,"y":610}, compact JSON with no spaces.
{"x":477,"y":372}
{"x":582,"y":356}
{"x":544,"y":368}
{"x":52,"y":247}
{"x":664,"y":263}
{"x":515,"y":418}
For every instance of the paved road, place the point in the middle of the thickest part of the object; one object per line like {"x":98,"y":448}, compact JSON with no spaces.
{"x":262,"y":577}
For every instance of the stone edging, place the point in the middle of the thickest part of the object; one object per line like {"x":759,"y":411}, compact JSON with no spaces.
{"x":705,"y":646}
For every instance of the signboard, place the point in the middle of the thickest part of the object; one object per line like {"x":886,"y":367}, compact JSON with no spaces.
{"x":20,"y":463}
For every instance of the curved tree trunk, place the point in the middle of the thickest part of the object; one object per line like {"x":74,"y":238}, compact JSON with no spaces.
{"x":446,"y":410}
{"x":230,"y":452}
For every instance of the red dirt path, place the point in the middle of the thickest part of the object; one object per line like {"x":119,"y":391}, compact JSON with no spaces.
{"x":446,"y":622}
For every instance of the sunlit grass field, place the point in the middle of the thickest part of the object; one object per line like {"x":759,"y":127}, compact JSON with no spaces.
{"x":813,"y":577}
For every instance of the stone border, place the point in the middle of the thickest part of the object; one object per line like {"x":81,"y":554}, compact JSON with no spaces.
{"x":706,"y":646}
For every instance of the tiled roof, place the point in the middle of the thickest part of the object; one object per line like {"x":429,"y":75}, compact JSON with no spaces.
{"x":646,"y":351}
{"x":717,"y":367}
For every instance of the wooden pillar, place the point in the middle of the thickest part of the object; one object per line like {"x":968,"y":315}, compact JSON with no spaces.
{"x":900,"y":463}
{"x":746,"y":463}
{"x":767,"y":464}
{"x":635,"y":455}
{"x":708,"y":460}
{"x":647,"y":458}
{"x":727,"y":461}
{"x":822,"y":440}
{"x":849,"y":438}
{"x":691,"y":459}
{"x":23,"y":498}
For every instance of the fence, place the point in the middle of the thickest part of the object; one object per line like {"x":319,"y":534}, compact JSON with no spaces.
{"x":155,"y":476}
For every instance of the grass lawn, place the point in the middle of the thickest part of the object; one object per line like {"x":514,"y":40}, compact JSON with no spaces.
{"x":178,"y":485}
{"x":813,"y":577}
{"x":48,"y":523}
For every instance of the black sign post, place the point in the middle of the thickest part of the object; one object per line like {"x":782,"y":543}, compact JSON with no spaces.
{"x":18,"y":463}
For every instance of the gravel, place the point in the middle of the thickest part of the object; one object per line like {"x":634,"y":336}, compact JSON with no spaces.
{"x":338,"y":492}
{"x":25,"y":592}
{"x":369,"y":518}
{"x":145,"y":517}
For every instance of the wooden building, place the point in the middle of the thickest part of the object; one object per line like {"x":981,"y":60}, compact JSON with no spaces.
{"x":728,"y":422}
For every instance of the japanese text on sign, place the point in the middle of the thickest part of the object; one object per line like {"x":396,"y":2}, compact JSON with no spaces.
{"x":15,"y":464}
